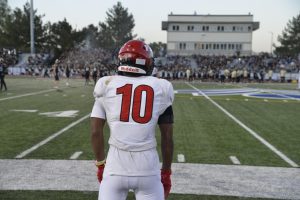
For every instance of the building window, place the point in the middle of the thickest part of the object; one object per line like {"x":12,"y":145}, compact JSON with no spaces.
{"x":219,"y":28}
{"x":225,"y":46}
{"x":233,"y":28}
{"x":175,"y":28}
{"x":190,"y":28}
{"x":222,"y":46}
{"x":202,"y":46}
{"x":182,"y":46}
{"x":222,"y":28}
{"x":205,"y":28}
{"x":249,"y":28}
{"x":217,"y":46}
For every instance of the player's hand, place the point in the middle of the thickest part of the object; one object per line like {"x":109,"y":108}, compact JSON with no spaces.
{"x":100,"y":172}
{"x":100,"y":165}
{"x":166,"y":181}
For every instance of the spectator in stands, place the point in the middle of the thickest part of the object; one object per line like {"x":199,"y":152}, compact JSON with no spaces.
{"x":188,"y":74}
{"x":222,"y":75}
{"x":245,"y":75}
{"x":282,"y":73}
{"x":270,"y":74}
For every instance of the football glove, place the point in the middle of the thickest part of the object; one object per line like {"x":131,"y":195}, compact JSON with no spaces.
{"x":100,"y":165}
{"x":166,"y":181}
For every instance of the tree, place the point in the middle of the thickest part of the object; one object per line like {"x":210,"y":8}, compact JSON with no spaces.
{"x":290,"y":38}
{"x":117,"y":29}
{"x":4,"y":15}
{"x":159,"y":49}
{"x":4,"y":11}
{"x":90,"y":36}
{"x":61,"y":37}
{"x":16,"y":29}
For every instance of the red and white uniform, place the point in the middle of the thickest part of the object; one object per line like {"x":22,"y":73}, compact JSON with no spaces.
{"x":132,"y":106}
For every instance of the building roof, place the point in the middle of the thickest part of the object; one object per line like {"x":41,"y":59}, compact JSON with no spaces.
{"x":210,"y":19}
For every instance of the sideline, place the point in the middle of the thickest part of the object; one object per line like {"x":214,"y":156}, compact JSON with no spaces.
{"x":28,"y":151}
{"x":27,"y":94}
{"x":187,"y":178}
{"x":254,"y":134}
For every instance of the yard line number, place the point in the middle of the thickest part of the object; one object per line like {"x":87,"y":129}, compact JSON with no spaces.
{"x":127,"y":94}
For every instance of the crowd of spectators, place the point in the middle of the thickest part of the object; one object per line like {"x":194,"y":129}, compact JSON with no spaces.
{"x":9,"y":57}
{"x":209,"y":68}
{"x":80,"y":61}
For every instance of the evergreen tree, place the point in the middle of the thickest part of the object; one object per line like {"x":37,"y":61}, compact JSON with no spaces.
{"x":159,"y":49}
{"x":117,"y":29}
{"x":16,"y":30}
{"x":61,"y":35}
{"x":4,"y":15}
{"x":90,"y":36}
{"x":4,"y":11}
{"x":290,"y":38}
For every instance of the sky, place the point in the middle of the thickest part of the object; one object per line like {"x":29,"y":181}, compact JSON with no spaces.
{"x":273,"y":15}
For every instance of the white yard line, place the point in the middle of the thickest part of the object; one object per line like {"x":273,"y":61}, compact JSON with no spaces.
{"x":75,"y":155}
{"x":253,"y":133}
{"x":28,"y":151}
{"x":234,"y":160}
{"x":180,"y":158}
{"x":27,"y":94}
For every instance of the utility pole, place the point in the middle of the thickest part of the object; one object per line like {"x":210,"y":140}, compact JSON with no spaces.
{"x":32,"y":50}
{"x":271,"y":49}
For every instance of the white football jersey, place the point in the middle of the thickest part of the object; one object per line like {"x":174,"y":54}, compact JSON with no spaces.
{"x":131,"y":106}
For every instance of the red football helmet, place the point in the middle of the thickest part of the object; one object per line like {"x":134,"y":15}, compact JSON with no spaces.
{"x":136,"y":57}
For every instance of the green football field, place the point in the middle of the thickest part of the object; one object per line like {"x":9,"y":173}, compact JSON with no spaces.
{"x":32,"y":110}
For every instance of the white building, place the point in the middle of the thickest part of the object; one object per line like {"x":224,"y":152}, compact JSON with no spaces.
{"x":209,"y":34}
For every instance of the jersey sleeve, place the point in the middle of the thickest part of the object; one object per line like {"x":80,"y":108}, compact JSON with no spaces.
{"x":99,"y":92}
{"x":101,"y":84}
{"x":98,"y":109}
{"x":169,"y":94}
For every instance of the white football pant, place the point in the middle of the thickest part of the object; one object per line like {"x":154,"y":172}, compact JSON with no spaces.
{"x":115,"y":187}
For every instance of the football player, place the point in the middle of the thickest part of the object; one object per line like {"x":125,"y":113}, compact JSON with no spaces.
{"x":133,"y":103}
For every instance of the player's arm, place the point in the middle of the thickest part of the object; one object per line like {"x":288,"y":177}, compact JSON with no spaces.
{"x":97,"y":137}
{"x":166,"y":130}
{"x":165,"y":122}
{"x":97,"y":140}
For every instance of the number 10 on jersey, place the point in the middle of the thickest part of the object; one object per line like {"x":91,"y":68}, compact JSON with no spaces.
{"x":135,"y":106}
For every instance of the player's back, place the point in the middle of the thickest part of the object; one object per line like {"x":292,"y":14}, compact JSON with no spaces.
{"x":132,"y":107}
